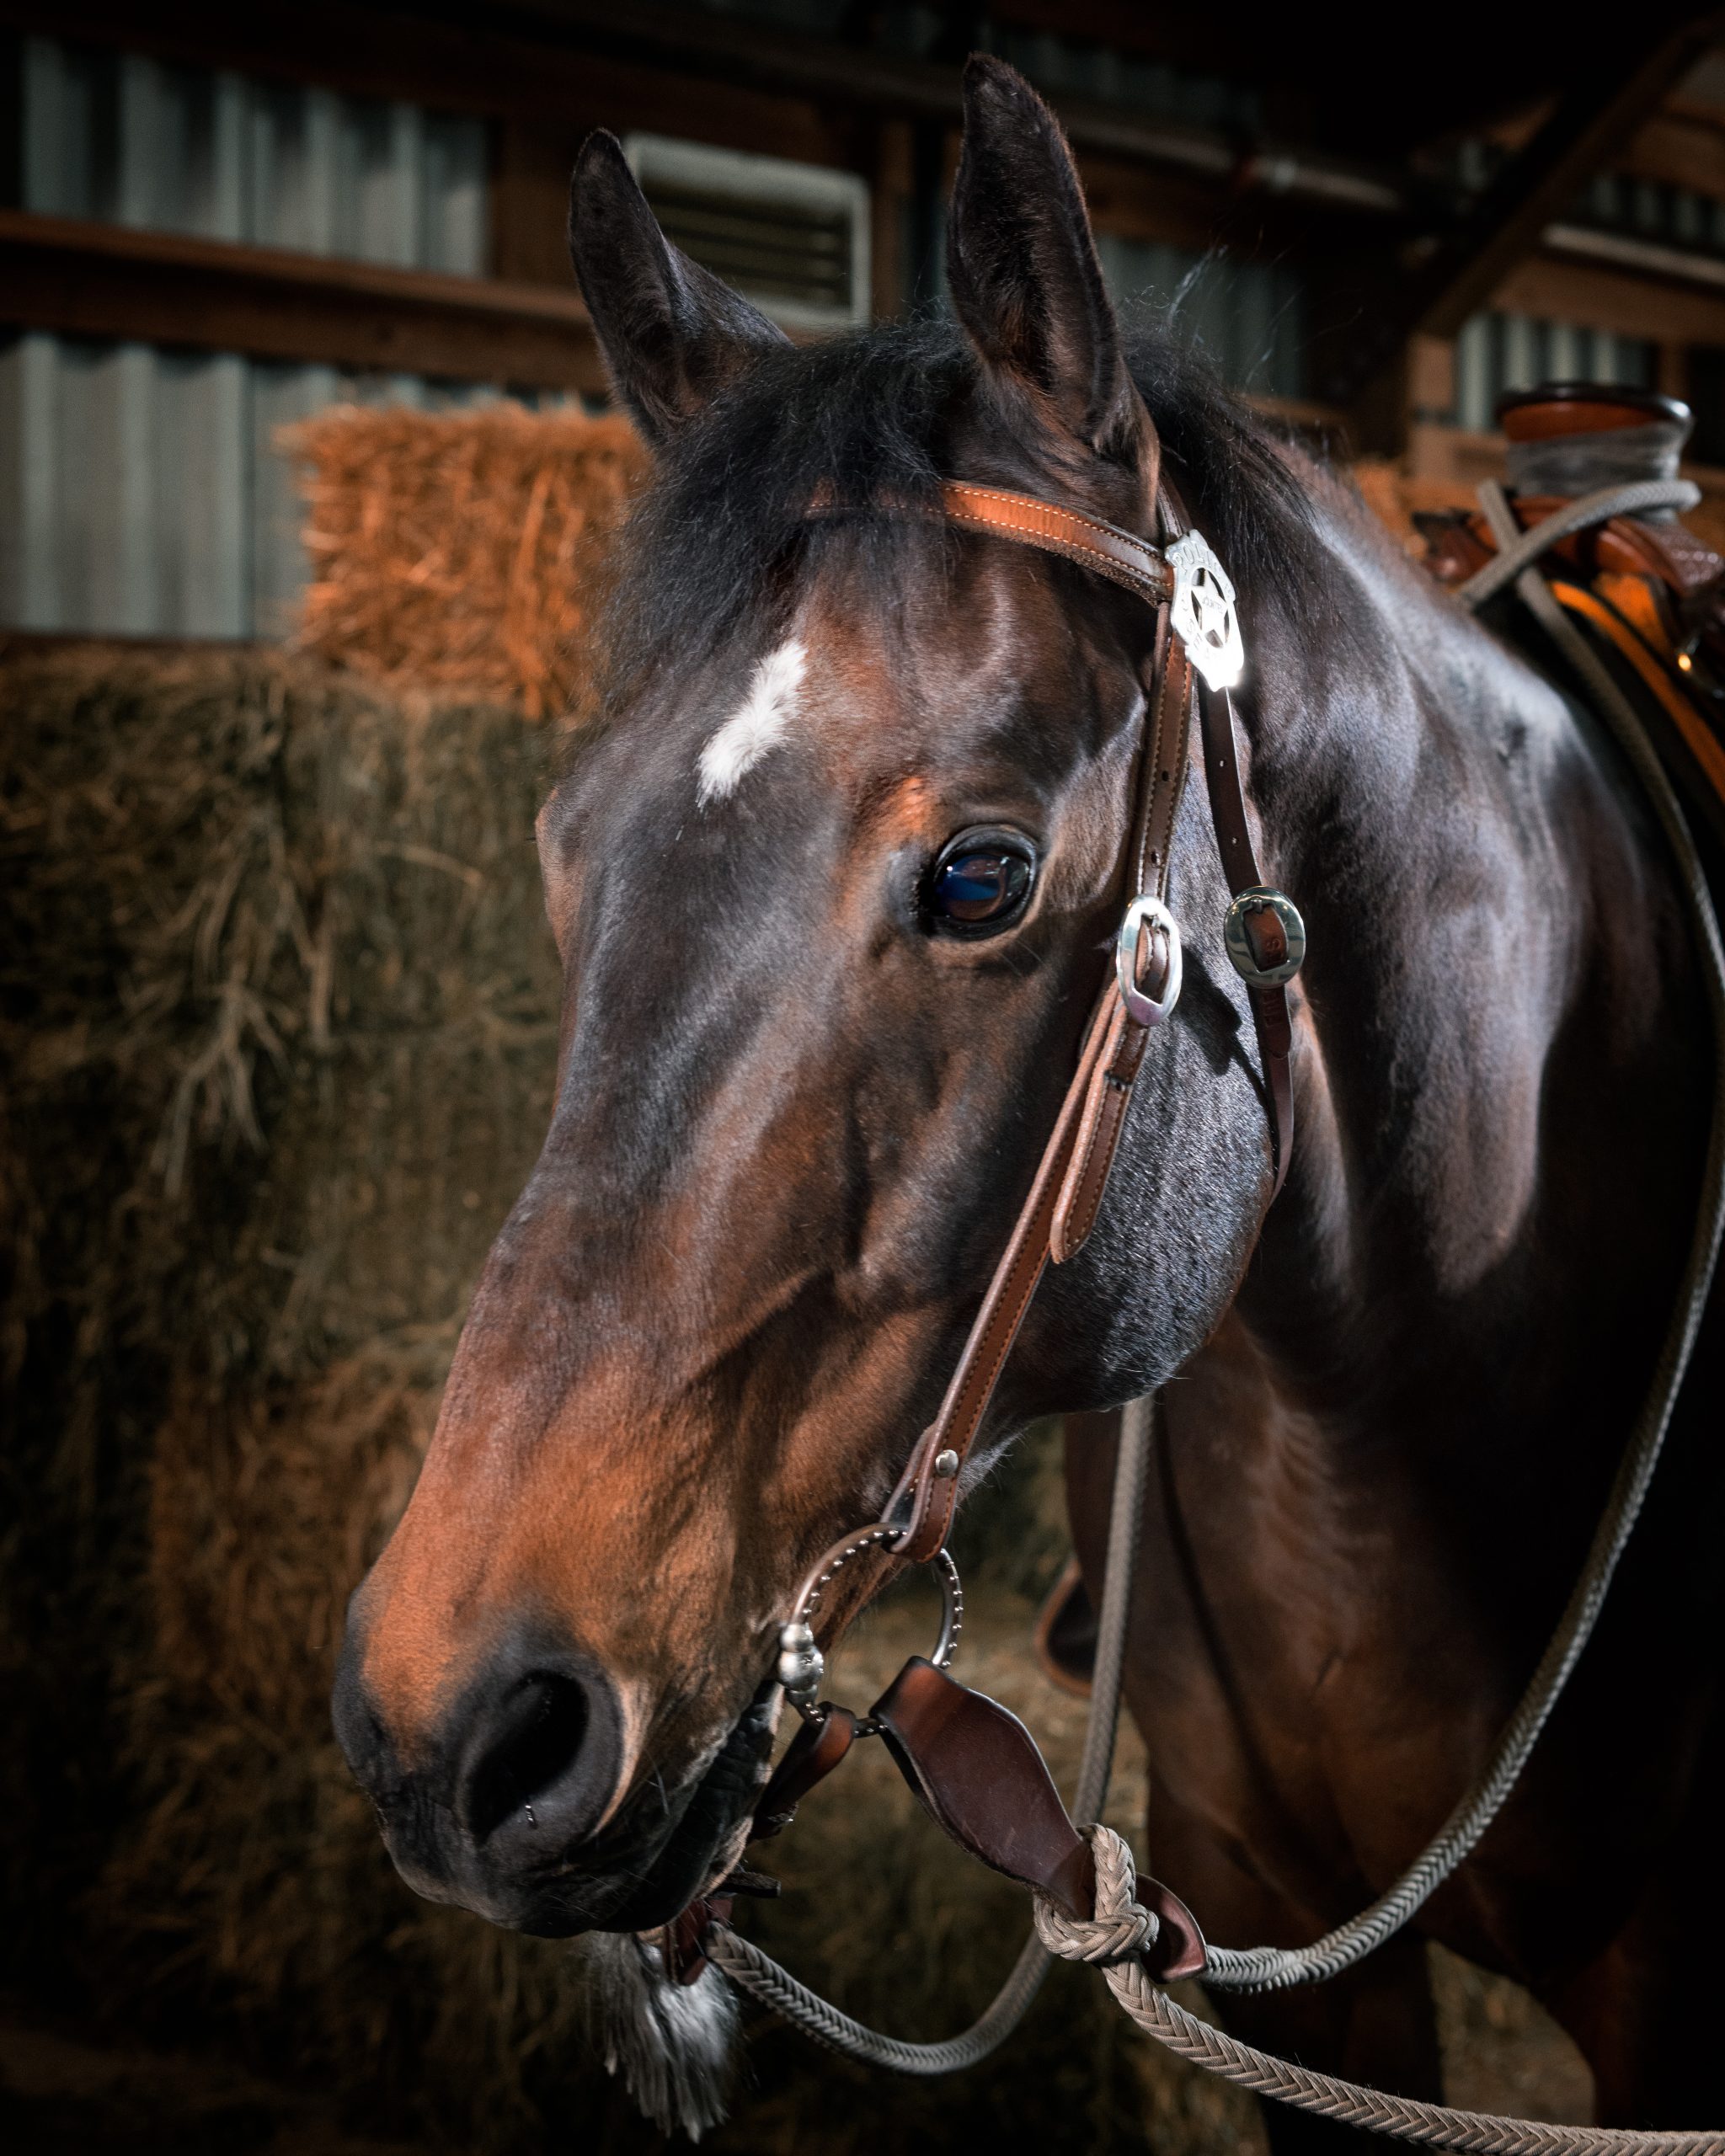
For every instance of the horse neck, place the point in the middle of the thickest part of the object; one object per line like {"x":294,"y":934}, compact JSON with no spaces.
{"x":1498,"y":1077}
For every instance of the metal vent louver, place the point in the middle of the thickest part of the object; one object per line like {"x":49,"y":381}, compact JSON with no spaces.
{"x":793,"y":238}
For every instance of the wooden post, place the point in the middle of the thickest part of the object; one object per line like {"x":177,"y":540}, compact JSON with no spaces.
{"x":530,"y":202}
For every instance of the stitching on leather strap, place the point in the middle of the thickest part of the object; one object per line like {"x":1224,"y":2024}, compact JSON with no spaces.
{"x":1091,"y":539}
{"x":1004,"y":1304}
{"x":1144,"y":583}
{"x":1066,"y":1195}
{"x":1086,"y":1177}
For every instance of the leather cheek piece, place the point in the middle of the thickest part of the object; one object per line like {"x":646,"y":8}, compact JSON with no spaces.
{"x":1065,"y":1196}
{"x":1104,"y":1117}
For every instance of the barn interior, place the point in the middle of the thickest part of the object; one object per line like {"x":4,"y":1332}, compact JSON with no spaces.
{"x":307,"y":463}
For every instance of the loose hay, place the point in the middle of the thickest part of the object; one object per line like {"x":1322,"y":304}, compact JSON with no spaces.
{"x":458,"y":551}
{"x":277,"y":1038}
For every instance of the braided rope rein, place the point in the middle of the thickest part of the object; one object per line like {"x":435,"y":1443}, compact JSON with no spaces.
{"x":1113,"y":1940}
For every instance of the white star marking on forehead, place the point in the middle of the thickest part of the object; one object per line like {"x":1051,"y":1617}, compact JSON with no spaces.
{"x":761,"y":720}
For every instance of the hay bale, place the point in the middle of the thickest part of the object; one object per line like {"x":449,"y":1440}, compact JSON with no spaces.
{"x":455,"y":552}
{"x":277,"y":1039}
{"x":277,"y":1029}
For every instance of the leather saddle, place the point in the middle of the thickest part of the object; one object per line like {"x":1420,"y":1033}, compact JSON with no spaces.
{"x":1647,"y":593}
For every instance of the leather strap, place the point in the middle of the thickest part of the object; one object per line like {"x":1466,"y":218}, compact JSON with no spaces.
{"x":1269,"y":1005}
{"x":813,"y":1752}
{"x":978,"y":1771}
{"x":1066,"y":1193}
{"x":1117,"y":555}
{"x":927,"y":1494}
{"x":1161,"y":781}
{"x":977,"y":1768}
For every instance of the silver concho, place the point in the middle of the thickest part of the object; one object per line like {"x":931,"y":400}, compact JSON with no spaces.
{"x":1265,"y":936}
{"x":1204,"y":617}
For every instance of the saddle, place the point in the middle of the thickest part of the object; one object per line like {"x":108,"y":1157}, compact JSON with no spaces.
{"x":1648,"y":594}
{"x":1649,"y":597}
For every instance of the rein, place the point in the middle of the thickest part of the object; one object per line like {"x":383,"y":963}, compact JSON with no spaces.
{"x":973,"y":1766}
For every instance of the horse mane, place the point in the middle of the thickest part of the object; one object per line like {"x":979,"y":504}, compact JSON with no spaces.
{"x":723,"y":526}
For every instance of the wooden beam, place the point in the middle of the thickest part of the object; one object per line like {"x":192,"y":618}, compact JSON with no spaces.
{"x":1560,"y":288}
{"x":1682,"y":151}
{"x":1646,"y":258}
{"x":82,"y":279}
{"x":1604,"y":106}
{"x":597,"y":63}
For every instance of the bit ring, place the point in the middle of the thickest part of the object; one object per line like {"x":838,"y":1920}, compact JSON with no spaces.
{"x":801,"y":1664}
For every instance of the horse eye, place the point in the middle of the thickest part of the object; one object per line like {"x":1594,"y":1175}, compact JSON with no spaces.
{"x":980,"y":882}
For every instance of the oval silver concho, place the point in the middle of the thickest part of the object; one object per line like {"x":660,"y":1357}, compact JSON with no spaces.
{"x":1202,"y":615}
{"x":1265,"y":936}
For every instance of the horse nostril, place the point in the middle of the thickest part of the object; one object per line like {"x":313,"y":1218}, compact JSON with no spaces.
{"x":530,"y":1749}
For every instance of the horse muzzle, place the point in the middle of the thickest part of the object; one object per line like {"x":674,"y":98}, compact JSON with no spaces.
{"x":499,"y":1809}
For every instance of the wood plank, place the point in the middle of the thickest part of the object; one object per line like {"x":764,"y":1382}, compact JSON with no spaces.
{"x":1555,"y":288}
{"x":1681,"y":150}
{"x":1650,"y":259}
{"x":82,"y":279}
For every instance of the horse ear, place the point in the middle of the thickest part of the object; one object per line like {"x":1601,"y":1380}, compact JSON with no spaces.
{"x":1025,"y":280}
{"x":672,"y":334}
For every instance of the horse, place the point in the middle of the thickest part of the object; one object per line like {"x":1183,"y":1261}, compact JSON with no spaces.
{"x":833,"y":873}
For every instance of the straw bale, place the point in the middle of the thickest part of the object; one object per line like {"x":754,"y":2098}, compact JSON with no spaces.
{"x":277,"y":1019}
{"x":458,"y":551}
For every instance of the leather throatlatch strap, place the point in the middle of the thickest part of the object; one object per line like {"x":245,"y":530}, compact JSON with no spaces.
{"x":1066,"y":1193}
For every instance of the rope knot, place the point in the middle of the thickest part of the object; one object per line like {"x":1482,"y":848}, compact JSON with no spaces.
{"x":1121,"y":1927}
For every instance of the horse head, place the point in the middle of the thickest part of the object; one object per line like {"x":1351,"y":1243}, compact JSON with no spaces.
{"x":834,"y":879}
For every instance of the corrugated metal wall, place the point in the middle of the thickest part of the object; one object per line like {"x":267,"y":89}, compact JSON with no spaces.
{"x":140,"y":493}
{"x":128,"y":140}
{"x":1499,"y":352}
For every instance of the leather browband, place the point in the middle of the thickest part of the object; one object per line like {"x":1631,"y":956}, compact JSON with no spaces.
{"x":1066,"y":1193}
{"x":1104,"y":547}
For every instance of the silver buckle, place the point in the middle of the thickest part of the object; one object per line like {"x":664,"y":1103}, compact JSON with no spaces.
{"x":1144,"y":916}
{"x":1202,"y":615}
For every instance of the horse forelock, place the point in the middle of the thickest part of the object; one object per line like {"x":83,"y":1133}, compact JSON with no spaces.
{"x":722,"y":537}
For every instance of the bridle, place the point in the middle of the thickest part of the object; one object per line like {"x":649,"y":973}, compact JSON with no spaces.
{"x":1196,"y":659}
{"x":940,"y":1734}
